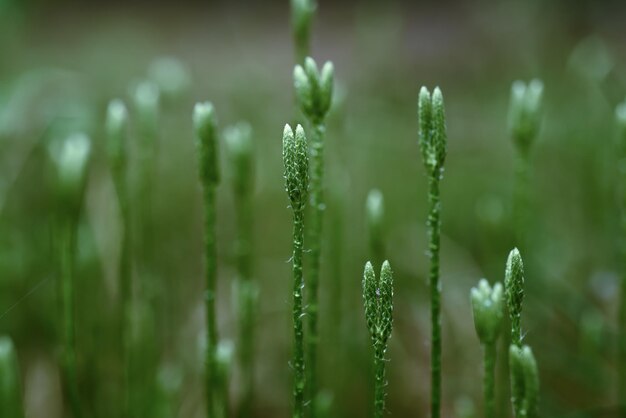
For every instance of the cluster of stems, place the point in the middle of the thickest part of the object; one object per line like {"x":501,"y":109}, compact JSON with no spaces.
{"x":378,"y":303}
{"x":314,"y":91}
{"x":488,"y":311}
{"x":296,"y":161}
{"x":240,"y":149}
{"x":10,"y":384}
{"x":620,"y":116}
{"x":205,"y":124}
{"x":71,"y":160}
{"x":522,"y":365}
{"x":432,"y":141}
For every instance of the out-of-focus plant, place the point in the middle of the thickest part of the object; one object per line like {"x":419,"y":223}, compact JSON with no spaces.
{"x":524,"y":381}
{"x":302,"y":12}
{"x":375,"y":213}
{"x":10,"y":383}
{"x":620,"y":116}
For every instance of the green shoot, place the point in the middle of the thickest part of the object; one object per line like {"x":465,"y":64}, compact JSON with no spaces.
{"x":375,"y":212}
{"x":488,"y":310}
{"x":205,"y":124}
{"x":302,"y":12}
{"x":10,"y":384}
{"x":432,"y":141}
{"x":378,"y":302}
{"x":524,"y":381}
{"x":514,"y":290}
{"x":71,"y":160}
{"x":296,"y":163}
{"x":314,"y":91}
{"x":240,"y":150}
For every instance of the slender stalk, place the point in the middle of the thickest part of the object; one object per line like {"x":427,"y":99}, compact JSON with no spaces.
{"x":434,"y":230}
{"x":375,"y":210}
{"x":205,"y":124}
{"x":298,"y":312}
{"x":489,"y":372}
{"x":296,"y":163}
{"x":318,"y":206}
{"x":302,"y":12}
{"x":240,"y":149}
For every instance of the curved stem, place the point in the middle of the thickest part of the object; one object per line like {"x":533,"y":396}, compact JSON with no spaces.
{"x":316,"y":223}
{"x":434,"y":226}
{"x":298,"y":313}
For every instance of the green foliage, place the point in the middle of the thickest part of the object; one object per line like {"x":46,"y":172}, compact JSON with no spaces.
{"x":205,"y":125}
{"x":314,"y":90}
{"x":487,"y":307}
{"x":296,"y":162}
{"x":525,"y":112}
{"x":432,"y":131}
{"x":378,"y":303}
{"x":116,"y":127}
{"x":524,"y":381}
{"x":70,"y":158}
{"x":432,"y":142}
{"x":10,"y":384}
{"x":514,"y":290}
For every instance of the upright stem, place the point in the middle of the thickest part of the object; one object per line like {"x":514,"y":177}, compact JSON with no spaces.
{"x":489,"y":365}
{"x":210,"y":254}
{"x":379,"y":386}
{"x":434,"y":226}
{"x":67,"y":258}
{"x":298,"y":312}
{"x":521,"y":208}
{"x":316,"y":222}
{"x":247,"y":299}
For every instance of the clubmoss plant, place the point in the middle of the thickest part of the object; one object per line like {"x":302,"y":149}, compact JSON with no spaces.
{"x":10,"y":383}
{"x":314,"y":91}
{"x":224,"y":362}
{"x":375,"y":211}
{"x":620,"y":116}
{"x":378,"y":302}
{"x":432,"y":141}
{"x":296,"y":161}
{"x":71,"y":160}
{"x":514,"y":290}
{"x":116,"y":126}
{"x":240,"y":150}
{"x":524,"y":381}
{"x":302,"y":12}
{"x":488,"y":310}
{"x":205,"y":124}
{"x":523,"y":123}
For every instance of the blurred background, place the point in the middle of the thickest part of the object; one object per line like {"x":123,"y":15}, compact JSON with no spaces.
{"x":62,"y":61}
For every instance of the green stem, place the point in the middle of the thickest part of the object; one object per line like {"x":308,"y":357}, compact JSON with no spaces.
{"x":622,"y":343}
{"x":298,"y":312}
{"x":247,"y":299}
{"x":379,"y":385}
{"x":210,"y":254}
{"x":434,"y":230}
{"x":68,"y":255}
{"x":521,"y":203}
{"x":489,"y":365}
{"x":316,"y":223}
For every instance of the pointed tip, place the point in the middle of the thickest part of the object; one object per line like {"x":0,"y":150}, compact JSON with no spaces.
{"x":299,"y":130}
{"x":386,"y":266}
{"x":437,"y":97}
{"x":369,"y":269}
{"x":287,"y":130}
{"x":424,"y":93}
